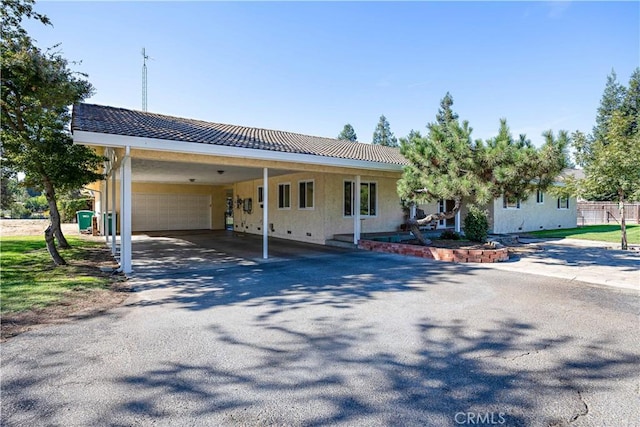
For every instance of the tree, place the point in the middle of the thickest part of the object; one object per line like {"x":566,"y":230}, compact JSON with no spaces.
{"x":7,"y":193}
{"x":348,"y":134}
{"x":447,"y":164}
{"x":383,"y":135}
{"x":612,"y":100}
{"x":631,"y":103}
{"x":614,"y":168}
{"x":611,"y":156}
{"x":37,"y":89}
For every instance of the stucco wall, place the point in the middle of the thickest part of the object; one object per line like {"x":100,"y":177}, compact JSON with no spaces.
{"x":327,"y":216}
{"x":217,"y":194}
{"x":533,"y":216}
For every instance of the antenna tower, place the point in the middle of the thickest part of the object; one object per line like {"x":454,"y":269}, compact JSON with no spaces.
{"x":144,"y":79}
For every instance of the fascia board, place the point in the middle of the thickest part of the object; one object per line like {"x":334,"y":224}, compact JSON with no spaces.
{"x":111,"y":140}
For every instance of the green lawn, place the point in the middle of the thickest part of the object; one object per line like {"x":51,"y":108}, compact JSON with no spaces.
{"x":30,"y":280}
{"x":603,"y":233}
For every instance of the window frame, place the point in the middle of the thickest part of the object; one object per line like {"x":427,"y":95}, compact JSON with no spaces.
{"x":510,"y":203}
{"x":560,"y":203}
{"x":304,"y":194}
{"x":260,"y":196}
{"x":281,"y":205}
{"x":540,"y":197}
{"x":352,"y":197}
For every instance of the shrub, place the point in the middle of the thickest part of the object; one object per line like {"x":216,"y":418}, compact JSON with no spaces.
{"x":476,"y":224}
{"x":19,"y":211}
{"x":69,"y":207}
{"x":449,"y":235}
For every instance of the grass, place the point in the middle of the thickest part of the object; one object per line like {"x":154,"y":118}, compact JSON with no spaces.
{"x":603,"y":233}
{"x":29,"y":279}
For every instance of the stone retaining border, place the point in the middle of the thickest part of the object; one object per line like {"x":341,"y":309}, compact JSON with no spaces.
{"x":440,"y":254}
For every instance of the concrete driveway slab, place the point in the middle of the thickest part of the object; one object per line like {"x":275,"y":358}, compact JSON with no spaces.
{"x":580,"y":260}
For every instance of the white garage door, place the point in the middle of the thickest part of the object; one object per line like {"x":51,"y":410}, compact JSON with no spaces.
{"x":153,"y":212}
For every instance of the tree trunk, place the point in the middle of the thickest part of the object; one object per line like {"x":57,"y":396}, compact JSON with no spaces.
{"x":54,"y":214}
{"x":51,"y":247}
{"x":414,"y":224}
{"x":623,"y":225}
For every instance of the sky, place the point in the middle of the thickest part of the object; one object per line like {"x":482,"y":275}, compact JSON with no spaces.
{"x":312,"y":67}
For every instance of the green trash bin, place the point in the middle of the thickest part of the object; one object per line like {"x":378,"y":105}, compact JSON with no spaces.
{"x":84,"y":220}
{"x":109,"y":217}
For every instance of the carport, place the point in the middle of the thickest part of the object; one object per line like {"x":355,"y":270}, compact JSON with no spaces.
{"x":148,"y":151}
{"x":197,"y":251}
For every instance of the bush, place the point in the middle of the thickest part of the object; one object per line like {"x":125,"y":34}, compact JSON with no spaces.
{"x":19,"y":211}
{"x":449,"y":235}
{"x":476,"y":225}
{"x":69,"y":207}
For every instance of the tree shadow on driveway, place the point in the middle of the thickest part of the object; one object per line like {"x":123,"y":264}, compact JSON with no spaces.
{"x":339,"y":281}
{"x":507,"y":371}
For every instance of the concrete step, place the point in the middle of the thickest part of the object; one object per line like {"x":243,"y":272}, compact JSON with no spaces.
{"x":340,"y":244}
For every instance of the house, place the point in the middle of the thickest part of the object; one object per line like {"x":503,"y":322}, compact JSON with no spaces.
{"x":170,"y":173}
{"x":541,"y":211}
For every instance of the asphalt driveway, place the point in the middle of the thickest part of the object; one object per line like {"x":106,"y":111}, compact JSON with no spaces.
{"x":338,"y":338}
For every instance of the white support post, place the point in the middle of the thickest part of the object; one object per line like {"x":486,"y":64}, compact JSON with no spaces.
{"x":125,"y":213}
{"x":413,"y":211}
{"x":105,"y":210}
{"x":356,"y":211}
{"x":458,"y":221}
{"x":265,"y":213}
{"x":113,"y":211}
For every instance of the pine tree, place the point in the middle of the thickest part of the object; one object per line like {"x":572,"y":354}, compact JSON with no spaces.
{"x":612,"y":99}
{"x":348,"y":133}
{"x":383,"y":135}
{"x":631,"y":103}
{"x":447,"y":164}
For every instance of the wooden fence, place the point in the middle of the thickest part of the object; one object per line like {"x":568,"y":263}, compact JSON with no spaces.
{"x":590,"y":213}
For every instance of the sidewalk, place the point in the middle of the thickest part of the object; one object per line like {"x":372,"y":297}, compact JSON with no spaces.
{"x":580,"y":260}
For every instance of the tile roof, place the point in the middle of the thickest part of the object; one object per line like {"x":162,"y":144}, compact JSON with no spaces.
{"x":120,"y":121}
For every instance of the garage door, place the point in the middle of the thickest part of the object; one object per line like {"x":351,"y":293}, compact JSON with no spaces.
{"x":154,"y":212}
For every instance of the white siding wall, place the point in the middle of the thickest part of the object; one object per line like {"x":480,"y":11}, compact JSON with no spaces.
{"x":532,"y":216}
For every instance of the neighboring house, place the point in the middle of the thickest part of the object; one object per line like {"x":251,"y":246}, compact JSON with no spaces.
{"x":170,"y":173}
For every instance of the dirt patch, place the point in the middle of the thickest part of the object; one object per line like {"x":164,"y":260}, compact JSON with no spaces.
{"x":78,"y":304}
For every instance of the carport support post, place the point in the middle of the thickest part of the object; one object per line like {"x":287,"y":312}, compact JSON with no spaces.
{"x":105,"y":208}
{"x":265,"y":213}
{"x":356,"y":212}
{"x":125,"y":213}
{"x":113,"y":211}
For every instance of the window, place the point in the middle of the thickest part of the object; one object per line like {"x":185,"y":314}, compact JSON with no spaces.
{"x":305,"y":195}
{"x":563,"y":203}
{"x":510,"y":202}
{"x":368,"y":198}
{"x":260,"y":194}
{"x":539,"y":197}
{"x":284,"y":196}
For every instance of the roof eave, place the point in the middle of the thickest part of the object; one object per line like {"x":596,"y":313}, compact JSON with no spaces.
{"x":112,"y":140}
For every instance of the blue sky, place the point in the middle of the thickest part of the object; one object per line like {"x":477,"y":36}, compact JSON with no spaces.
{"x":311,"y":67}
